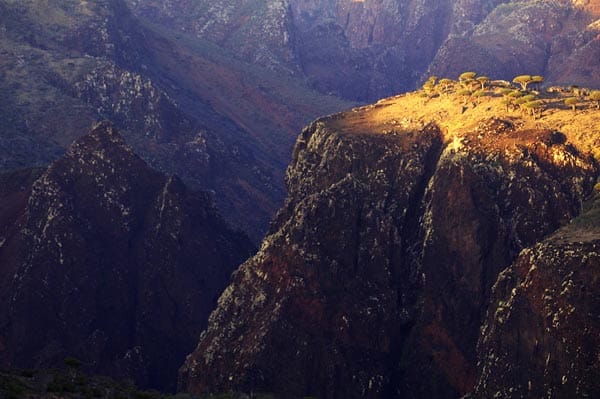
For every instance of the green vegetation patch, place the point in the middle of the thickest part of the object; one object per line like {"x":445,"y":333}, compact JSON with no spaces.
{"x":590,"y":215}
{"x":11,"y":387}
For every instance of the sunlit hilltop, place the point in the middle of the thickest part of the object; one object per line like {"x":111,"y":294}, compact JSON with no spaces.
{"x":459,"y":106}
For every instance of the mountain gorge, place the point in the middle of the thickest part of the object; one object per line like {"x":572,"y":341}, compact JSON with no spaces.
{"x":440,"y":243}
{"x":186,"y":107}
{"x":356,"y":49}
{"x":216,"y":92}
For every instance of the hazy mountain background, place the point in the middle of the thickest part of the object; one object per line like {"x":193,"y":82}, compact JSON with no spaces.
{"x":365,"y":50}
{"x":186,"y":106}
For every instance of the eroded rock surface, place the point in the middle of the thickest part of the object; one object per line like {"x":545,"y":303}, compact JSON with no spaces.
{"x":357,"y":49}
{"x":111,"y":262}
{"x":376,"y":276}
{"x":365,"y":50}
{"x":541,"y":337}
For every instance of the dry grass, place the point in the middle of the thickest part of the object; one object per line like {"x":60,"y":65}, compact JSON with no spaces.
{"x":460,"y":115}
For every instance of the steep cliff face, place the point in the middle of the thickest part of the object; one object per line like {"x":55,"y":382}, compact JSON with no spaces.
{"x":321,"y":275}
{"x":541,"y":335}
{"x":376,"y":276}
{"x":110,"y":262}
{"x":478,"y":216}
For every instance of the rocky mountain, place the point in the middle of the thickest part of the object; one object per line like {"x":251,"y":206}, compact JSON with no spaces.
{"x":557,"y":39}
{"x":403,"y":220}
{"x":541,"y":336}
{"x":187,"y":107}
{"x":406,"y":220}
{"x":365,"y":50}
{"x":106,"y":260}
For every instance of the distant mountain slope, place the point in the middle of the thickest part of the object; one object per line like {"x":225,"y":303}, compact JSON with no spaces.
{"x":186,"y":107}
{"x":108,"y":261}
{"x":365,"y":50}
{"x":404,"y":219}
{"x":555,"y":39}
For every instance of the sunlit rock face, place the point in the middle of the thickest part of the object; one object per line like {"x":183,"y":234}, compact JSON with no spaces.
{"x":375,"y":279}
{"x":111,"y":262}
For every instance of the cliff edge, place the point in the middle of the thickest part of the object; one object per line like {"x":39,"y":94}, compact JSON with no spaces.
{"x":378,"y":272}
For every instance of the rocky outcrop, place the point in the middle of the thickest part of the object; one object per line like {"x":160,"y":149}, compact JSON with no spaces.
{"x":541,"y":335}
{"x":376,"y":276}
{"x":108,"y":261}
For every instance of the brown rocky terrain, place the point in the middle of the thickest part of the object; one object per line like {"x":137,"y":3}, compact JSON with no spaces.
{"x":376,"y":276}
{"x":558,"y":39}
{"x":365,"y":50}
{"x":361,"y":50}
{"x":187,"y":107}
{"x":541,"y":335}
{"x":106,"y":260}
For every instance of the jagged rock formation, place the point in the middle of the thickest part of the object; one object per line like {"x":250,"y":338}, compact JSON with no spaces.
{"x":187,"y":108}
{"x":109,"y":261}
{"x":376,"y":276}
{"x":366,"y":50}
{"x":541,"y":337}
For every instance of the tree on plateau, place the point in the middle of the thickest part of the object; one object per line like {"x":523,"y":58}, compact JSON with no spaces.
{"x":595,"y":96}
{"x":523,"y":80}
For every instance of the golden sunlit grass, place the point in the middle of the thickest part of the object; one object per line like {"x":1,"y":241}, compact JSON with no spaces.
{"x":460,"y":114}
